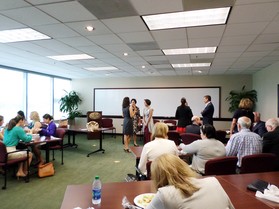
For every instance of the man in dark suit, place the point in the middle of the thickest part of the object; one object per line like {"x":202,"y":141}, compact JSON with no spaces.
{"x":271,"y":139}
{"x":208,"y":111}
{"x":258,"y":126}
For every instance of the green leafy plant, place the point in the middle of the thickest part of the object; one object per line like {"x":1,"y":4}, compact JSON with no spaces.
{"x":235,"y":97}
{"x":69,"y":104}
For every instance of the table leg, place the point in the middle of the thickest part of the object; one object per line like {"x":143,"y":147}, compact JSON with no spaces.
{"x":101,"y":145}
{"x":69,"y":144}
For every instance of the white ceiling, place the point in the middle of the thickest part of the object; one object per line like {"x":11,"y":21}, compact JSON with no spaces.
{"x":248,"y":42}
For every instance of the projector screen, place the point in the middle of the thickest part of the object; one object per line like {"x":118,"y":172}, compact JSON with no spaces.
{"x":164,"y":101}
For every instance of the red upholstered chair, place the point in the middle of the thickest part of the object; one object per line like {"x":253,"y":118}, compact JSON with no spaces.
{"x":221,"y":136}
{"x":188,"y":138}
{"x":5,"y":163}
{"x":174,"y":136}
{"x":257,"y":163}
{"x":57,"y":145}
{"x":108,"y":123}
{"x":221,"y":166}
{"x":156,"y":121}
{"x":148,"y":169}
{"x":172,"y":123}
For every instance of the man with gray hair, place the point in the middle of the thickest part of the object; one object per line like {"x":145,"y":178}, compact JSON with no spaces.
{"x":271,"y":139}
{"x":244,"y":142}
{"x":194,"y":128}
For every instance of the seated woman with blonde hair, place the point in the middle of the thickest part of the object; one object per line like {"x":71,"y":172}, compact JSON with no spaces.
{"x":35,"y":124}
{"x":179,"y":188}
{"x":158,"y":146}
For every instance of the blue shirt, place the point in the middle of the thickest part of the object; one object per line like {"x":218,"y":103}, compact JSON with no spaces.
{"x":50,"y":130}
{"x":12,"y":137}
{"x":244,"y":143}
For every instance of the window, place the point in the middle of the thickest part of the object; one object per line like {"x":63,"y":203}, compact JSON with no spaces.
{"x":13,"y":97}
{"x":39,"y":94}
{"x":60,"y":86}
{"x":30,"y":92}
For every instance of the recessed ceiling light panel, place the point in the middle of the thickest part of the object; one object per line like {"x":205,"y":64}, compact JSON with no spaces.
{"x":100,"y":68}
{"x":17,"y":35}
{"x":191,"y":65}
{"x":187,"y":19}
{"x":71,"y":57}
{"x":200,"y":50}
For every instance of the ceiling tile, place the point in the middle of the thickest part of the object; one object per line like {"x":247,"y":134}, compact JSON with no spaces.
{"x":67,"y":11}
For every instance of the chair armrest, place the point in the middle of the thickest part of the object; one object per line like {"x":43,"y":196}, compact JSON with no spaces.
{"x":141,"y":176}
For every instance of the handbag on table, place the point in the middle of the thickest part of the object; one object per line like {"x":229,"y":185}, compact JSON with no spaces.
{"x":46,"y":170}
{"x":92,"y":126}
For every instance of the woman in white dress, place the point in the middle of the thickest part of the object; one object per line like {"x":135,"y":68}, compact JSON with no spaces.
{"x":147,"y":120}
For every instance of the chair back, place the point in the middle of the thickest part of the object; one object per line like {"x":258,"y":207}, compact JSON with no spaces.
{"x":188,"y":138}
{"x":156,"y":121}
{"x":173,"y":122}
{"x":60,"y":133}
{"x":3,"y":152}
{"x":221,"y":136}
{"x":221,"y":166}
{"x":257,"y":163}
{"x":107,"y":122}
{"x":148,"y":169}
{"x":174,"y":136}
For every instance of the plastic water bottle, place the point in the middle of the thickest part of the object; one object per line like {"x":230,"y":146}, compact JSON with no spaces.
{"x":96,"y":191}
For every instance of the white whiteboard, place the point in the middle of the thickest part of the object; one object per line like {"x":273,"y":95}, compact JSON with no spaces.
{"x":164,"y":101}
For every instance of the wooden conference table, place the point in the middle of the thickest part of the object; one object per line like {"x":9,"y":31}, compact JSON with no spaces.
{"x":112,"y":193}
{"x":43,"y":140}
{"x":73,"y":130}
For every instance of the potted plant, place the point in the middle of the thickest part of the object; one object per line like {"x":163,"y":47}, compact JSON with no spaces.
{"x":69,"y":104}
{"x":235,"y":97}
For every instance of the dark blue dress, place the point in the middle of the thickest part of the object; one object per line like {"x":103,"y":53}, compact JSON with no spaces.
{"x":127,"y":122}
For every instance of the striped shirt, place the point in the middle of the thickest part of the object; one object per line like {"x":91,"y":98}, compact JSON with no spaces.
{"x":244,"y":143}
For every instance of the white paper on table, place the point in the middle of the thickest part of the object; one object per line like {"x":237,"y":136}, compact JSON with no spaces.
{"x":271,"y":193}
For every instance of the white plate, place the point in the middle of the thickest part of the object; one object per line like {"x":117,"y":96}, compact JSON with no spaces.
{"x":143,"y":200}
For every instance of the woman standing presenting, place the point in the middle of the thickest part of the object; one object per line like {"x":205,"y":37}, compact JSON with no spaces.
{"x":147,"y":120}
{"x":136,"y":120}
{"x":183,"y":114}
{"x":128,"y":114}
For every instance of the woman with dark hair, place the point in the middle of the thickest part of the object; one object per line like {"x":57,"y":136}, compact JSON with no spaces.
{"x":245,"y":108}
{"x":178,"y":187}
{"x":12,"y":135}
{"x":136,"y":120}
{"x":51,"y":126}
{"x":128,"y":113}
{"x":147,"y":120}
{"x":205,"y":148}
{"x":184,"y":115}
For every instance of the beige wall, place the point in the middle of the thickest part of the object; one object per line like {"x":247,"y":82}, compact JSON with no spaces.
{"x":265,"y":83}
{"x":227,"y":83}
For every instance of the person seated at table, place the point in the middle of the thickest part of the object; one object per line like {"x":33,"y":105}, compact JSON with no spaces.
{"x":12,"y":135}
{"x":21,"y":113}
{"x":194,"y":128}
{"x":204,"y":149}
{"x":35,"y":125}
{"x":178,"y":187}
{"x":158,"y":146}
{"x":50,"y":129}
{"x":1,"y":128}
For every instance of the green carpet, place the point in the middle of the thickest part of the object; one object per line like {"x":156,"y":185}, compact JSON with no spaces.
{"x":48,"y":193}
